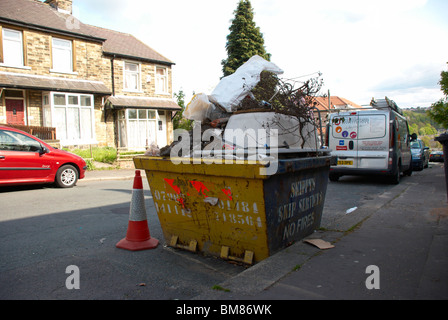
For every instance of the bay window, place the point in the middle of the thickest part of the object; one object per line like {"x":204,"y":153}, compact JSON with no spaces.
{"x":72,"y":115}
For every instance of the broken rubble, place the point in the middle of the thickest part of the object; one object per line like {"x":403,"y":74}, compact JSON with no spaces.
{"x":253,"y":99}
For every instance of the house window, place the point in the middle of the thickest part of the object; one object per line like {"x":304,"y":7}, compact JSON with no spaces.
{"x":131,"y":76}
{"x":62,"y":55}
{"x":137,"y":128}
{"x":161,"y":80}
{"x":72,"y":115}
{"x":12,"y":48}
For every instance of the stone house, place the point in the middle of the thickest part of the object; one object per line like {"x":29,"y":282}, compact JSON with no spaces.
{"x":95,"y":86}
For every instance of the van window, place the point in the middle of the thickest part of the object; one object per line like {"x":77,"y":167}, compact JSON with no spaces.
{"x":372,"y":126}
{"x":343,"y":126}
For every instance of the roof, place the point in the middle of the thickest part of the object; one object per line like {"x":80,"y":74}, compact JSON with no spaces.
{"x":126,"y":45}
{"x":335,"y":102}
{"x":26,"y":81}
{"x":40,"y":16}
{"x":119,"y":102}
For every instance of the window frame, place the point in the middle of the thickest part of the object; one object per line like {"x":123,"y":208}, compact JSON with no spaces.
{"x":4,"y":47}
{"x":137,"y":73}
{"x":53,"y":120}
{"x":53,"y":54}
{"x":163,"y":78}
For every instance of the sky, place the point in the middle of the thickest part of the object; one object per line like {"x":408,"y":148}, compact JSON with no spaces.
{"x":363,"y":49}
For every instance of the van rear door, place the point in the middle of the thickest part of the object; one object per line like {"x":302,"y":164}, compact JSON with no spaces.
{"x":373,"y":141}
{"x":343,"y":139}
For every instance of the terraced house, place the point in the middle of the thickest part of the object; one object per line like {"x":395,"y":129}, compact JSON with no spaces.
{"x":87,"y":85}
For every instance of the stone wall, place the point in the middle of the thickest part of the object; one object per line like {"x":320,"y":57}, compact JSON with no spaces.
{"x":89,"y":63}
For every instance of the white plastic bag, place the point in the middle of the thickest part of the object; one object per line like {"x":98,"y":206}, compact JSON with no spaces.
{"x":197,"y":108}
{"x":231,"y":90}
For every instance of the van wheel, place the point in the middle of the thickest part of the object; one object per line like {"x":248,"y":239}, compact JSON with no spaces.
{"x":334,"y":177}
{"x":408,"y":172}
{"x":395,"y":178}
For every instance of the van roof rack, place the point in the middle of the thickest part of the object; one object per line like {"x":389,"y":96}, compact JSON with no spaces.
{"x":379,"y":104}
{"x":385,"y":103}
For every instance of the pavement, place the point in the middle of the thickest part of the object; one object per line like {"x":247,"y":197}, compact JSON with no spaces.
{"x":395,"y":248}
{"x":111,"y":174}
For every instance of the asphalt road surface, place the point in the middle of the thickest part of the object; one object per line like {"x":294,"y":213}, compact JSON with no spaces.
{"x":45,"y":230}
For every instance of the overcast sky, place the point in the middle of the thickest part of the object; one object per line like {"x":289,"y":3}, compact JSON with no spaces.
{"x":364,"y":49}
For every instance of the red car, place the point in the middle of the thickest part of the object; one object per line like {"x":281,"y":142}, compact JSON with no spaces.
{"x":25,"y":159}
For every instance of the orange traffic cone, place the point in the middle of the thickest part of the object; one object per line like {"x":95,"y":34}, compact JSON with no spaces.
{"x":137,"y":236}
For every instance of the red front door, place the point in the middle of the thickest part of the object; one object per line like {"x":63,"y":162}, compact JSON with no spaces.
{"x":15,"y":112}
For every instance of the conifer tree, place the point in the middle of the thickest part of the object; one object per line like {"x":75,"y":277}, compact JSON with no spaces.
{"x":244,"y":40}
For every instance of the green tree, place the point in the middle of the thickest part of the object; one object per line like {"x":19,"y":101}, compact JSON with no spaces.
{"x":179,"y":122}
{"x":413,"y":128}
{"x":244,"y":40}
{"x":439,"y":110}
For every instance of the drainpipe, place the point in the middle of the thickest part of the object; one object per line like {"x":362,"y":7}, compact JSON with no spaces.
{"x":113,"y":94}
{"x":113,"y":75}
{"x":113,"y":84}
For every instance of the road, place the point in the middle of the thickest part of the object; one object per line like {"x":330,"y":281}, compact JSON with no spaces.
{"x":43,"y":230}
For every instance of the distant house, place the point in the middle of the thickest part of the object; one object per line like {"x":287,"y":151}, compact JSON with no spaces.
{"x":335,"y":103}
{"x":95,"y":86}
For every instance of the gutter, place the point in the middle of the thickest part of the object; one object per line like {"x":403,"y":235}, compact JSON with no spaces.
{"x":52,"y":30}
{"x":115,"y":55}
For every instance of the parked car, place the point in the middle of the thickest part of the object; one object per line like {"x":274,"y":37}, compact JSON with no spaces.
{"x":25,"y":159}
{"x":436,"y":156}
{"x":420,"y":154}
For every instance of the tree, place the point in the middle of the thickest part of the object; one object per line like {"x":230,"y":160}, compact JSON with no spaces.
{"x":439,"y":110}
{"x":179,"y":122}
{"x":244,"y":40}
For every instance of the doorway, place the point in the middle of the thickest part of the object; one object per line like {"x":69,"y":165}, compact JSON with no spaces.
{"x":15,"y":111}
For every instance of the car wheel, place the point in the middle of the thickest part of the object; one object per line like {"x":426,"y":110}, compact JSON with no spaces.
{"x":66,"y":177}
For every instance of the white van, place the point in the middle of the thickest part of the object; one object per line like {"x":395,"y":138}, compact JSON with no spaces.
{"x":371,"y":141}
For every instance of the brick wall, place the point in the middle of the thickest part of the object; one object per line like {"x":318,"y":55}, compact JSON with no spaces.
{"x":34,"y":107}
{"x":147,"y":88}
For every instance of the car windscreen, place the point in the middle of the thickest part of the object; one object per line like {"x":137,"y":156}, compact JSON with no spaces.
{"x":415,"y":145}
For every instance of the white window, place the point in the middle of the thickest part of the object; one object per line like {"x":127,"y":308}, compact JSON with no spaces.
{"x":72,"y":115}
{"x":161,"y":80}
{"x":12,"y":47}
{"x":62,"y":55}
{"x":131,"y":76}
{"x":137,"y":128}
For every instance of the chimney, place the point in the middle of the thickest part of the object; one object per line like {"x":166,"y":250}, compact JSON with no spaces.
{"x":64,"y":6}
